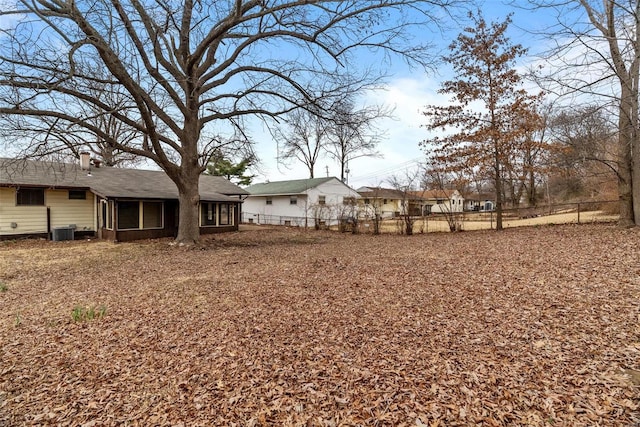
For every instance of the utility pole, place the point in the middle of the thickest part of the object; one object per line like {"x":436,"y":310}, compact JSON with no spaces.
{"x":327,"y":169}
{"x":346,"y":173}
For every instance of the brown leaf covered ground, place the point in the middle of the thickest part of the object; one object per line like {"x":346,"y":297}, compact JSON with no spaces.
{"x":532,"y":326}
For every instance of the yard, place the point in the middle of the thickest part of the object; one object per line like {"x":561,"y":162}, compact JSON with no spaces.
{"x":530,"y":326}
{"x":470,"y":221}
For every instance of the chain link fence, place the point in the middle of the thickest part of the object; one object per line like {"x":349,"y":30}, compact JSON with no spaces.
{"x":562,"y":213}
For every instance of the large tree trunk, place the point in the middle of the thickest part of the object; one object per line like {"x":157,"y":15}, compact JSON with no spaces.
{"x":634,"y":150}
{"x":188,"y":185}
{"x":189,"y":227}
{"x":635,"y":180}
{"x":626,"y":138}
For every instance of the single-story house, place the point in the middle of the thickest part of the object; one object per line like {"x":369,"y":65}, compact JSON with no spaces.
{"x":42,"y":198}
{"x":442,"y":201}
{"x":299,"y":202}
{"x":388,"y":202}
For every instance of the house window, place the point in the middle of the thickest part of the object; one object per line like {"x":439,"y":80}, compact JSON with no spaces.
{"x":225,"y":214}
{"x":77,"y":195}
{"x":322,"y":200}
{"x":152,"y":214}
{"x":128,"y":215}
{"x":208,"y":214}
{"x":30,"y":197}
{"x":366,"y":201}
{"x":269,"y":200}
{"x":384,"y":202}
{"x":293,"y":200}
{"x":348,"y":200}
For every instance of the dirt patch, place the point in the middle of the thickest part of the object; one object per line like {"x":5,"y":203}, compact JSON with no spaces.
{"x":531,"y":326}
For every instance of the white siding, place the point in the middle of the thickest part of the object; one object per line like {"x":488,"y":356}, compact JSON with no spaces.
{"x":256,"y":208}
{"x":454,"y":204}
{"x":33,"y":219}
{"x":281,"y":209}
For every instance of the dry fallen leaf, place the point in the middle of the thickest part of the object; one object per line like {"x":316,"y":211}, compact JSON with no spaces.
{"x":535,"y":326}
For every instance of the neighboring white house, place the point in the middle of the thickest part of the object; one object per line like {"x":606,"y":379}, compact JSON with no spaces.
{"x":442,"y":201}
{"x":300,"y":202}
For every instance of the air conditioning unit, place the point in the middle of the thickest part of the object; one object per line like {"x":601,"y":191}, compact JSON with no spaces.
{"x":62,"y":233}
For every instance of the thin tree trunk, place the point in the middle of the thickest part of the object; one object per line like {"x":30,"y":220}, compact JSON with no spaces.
{"x":531,"y":191}
{"x":498,"y":185}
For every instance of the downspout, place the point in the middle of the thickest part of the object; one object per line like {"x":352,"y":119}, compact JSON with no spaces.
{"x":49,"y":223}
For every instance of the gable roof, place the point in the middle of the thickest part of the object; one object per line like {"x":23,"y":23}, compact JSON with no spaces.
{"x":109,"y":182}
{"x":292,"y":187}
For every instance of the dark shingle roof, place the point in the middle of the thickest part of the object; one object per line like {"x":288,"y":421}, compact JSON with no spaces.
{"x":109,"y":182}
{"x":386,"y":193}
{"x":296,"y":186}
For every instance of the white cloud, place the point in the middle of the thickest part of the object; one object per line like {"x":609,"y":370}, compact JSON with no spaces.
{"x":400,"y":147}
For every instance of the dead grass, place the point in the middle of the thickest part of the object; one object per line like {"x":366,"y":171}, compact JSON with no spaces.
{"x":483,"y":222}
{"x":532,"y":326}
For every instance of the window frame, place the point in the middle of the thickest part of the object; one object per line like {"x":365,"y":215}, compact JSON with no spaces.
{"x":24,"y":190}
{"x":268,"y":200}
{"x":228,"y":218}
{"x":107,"y":214}
{"x":322,"y":200}
{"x":293,"y":200}
{"x":140,"y":215}
{"x":212,"y":208}
{"x":348,"y":200}
{"x":122,"y":203}
{"x":77,"y":194}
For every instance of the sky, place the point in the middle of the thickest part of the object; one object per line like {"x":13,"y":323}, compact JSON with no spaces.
{"x":407,"y":92}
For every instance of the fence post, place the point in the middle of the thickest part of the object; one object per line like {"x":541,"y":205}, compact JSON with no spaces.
{"x":491,"y":213}
{"x":578,"y":213}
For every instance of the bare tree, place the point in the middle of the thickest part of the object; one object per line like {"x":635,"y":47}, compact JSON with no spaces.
{"x":405,"y":184}
{"x":301,"y":136}
{"x":54,"y":138}
{"x":601,"y":50}
{"x":584,"y":160}
{"x":352,"y":133}
{"x":372,"y":202}
{"x":483,"y":59}
{"x":192,"y":71}
{"x":442,"y":183}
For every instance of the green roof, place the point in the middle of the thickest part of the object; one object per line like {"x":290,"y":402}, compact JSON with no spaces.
{"x":296,"y":186}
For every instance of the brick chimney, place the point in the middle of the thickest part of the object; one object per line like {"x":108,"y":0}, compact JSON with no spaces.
{"x":85,"y":160}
